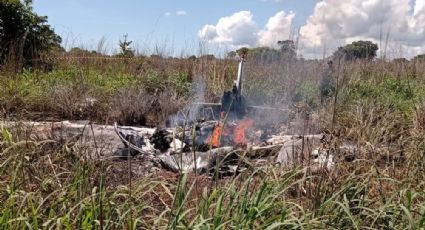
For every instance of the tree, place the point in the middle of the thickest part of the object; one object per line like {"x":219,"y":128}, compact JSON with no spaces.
{"x":192,"y":58}
{"x":125,"y":48}
{"x":79,"y":52}
{"x":357,"y":50}
{"x":24,"y":36}
{"x":419,"y":58}
{"x":264,"y":54}
{"x":208,"y":57}
{"x":231,"y":54}
{"x":287,"y":48}
{"x":242,"y":52}
{"x":400,"y":60}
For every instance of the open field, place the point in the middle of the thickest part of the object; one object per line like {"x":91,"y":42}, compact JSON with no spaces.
{"x":379,"y":107}
{"x":253,"y":114}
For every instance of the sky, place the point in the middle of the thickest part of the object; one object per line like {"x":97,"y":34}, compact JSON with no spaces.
{"x":186,"y":27}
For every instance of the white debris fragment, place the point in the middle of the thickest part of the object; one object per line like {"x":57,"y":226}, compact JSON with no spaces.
{"x":324,"y":159}
{"x":177,"y":145}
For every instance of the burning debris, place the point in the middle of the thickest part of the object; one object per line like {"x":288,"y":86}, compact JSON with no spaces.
{"x":237,"y":153}
{"x":229,"y":144}
{"x":236,"y":141}
{"x":189,"y":149}
{"x":234,"y":133}
{"x":161,"y":140}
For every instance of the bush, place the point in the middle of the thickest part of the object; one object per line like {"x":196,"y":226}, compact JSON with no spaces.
{"x":24,"y":36}
{"x":307,"y":93}
{"x":399,"y":95}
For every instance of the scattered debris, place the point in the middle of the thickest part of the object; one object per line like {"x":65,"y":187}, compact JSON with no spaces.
{"x":161,"y":140}
{"x":237,"y":140}
{"x":189,"y":149}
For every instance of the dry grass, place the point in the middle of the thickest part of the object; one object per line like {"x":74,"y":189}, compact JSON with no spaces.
{"x":379,"y":109}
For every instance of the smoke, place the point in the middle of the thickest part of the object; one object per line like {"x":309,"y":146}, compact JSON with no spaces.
{"x":199,"y":98}
{"x":190,"y":113}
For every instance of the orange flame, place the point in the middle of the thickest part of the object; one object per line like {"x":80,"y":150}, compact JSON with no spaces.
{"x":240,"y":131}
{"x":215,"y":137}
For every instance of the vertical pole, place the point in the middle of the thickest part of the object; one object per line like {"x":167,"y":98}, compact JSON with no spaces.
{"x":240,"y":75}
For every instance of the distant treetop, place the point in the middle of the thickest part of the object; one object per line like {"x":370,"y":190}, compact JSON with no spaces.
{"x":419,"y":58}
{"x":125,"y":48}
{"x":286,"y":50}
{"x":357,"y":50}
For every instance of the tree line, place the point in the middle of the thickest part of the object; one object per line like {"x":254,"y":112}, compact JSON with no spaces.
{"x":27,"y":40}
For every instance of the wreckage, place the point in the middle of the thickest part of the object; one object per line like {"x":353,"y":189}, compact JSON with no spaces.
{"x":229,"y":144}
{"x":234,"y":141}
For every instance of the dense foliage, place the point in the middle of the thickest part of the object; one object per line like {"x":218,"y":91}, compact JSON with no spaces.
{"x":24,"y":35}
{"x":357,"y":50}
{"x":286,"y":50}
{"x":420,"y":57}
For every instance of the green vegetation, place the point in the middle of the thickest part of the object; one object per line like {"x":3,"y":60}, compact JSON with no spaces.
{"x":125,"y":48}
{"x":419,"y":58}
{"x":24,"y":36}
{"x":55,"y":189}
{"x":63,"y":92}
{"x":357,"y":50}
{"x":287,"y":51}
{"x":377,"y":105}
{"x":288,"y":48}
{"x":397,"y":95}
{"x":47,"y":185}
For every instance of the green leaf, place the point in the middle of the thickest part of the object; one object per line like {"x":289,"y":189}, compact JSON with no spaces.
{"x":7,"y":136}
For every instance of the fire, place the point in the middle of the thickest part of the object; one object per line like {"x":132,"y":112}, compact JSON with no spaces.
{"x":214,"y":139}
{"x":240,"y":131}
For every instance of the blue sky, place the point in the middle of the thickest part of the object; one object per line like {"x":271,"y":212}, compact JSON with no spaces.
{"x":84,"y":23}
{"x":170,"y":26}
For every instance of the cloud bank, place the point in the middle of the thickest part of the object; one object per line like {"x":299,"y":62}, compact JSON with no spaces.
{"x":240,"y":30}
{"x":236,"y":30}
{"x":333,"y":23}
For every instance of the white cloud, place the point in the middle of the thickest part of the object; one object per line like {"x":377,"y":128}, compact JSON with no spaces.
{"x":181,"y":13}
{"x":419,"y":6}
{"x":335,"y":23}
{"x":167,"y":14}
{"x":277,"y":28}
{"x":236,"y":30}
{"x":240,"y":30}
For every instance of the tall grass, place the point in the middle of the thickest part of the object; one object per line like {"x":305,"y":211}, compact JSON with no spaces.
{"x":55,"y":189}
{"x":49,"y":185}
{"x":63,"y":92}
